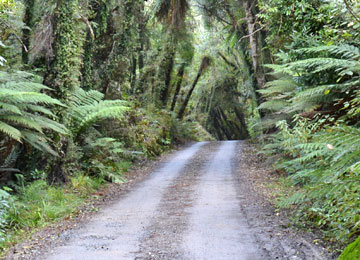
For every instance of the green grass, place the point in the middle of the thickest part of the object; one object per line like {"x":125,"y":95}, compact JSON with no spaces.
{"x":352,"y":251}
{"x":39,"y":204}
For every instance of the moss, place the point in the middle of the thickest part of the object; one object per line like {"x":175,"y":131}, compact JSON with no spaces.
{"x":352,"y":251}
{"x":65,"y":69}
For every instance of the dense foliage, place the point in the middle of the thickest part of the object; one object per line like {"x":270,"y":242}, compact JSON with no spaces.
{"x":88,"y":87}
{"x":312,"y":106}
{"x":81,"y":99}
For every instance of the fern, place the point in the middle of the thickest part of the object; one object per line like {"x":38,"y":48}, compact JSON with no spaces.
{"x":315,"y":83}
{"x":279,"y":86}
{"x":344,"y":51}
{"x":329,"y":169}
{"x":87,"y":108}
{"x":2,"y":61}
{"x":24,"y":114}
{"x":274,"y":105}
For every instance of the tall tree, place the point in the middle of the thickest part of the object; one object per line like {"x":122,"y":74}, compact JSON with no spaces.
{"x":180,"y":77}
{"x":250,"y":6}
{"x":99,"y":14}
{"x":112,"y":67}
{"x":172,"y":14}
{"x":64,"y":72}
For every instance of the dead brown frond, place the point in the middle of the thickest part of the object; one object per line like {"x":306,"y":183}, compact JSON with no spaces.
{"x":42,"y":41}
{"x":179,"y":10}
{"x":173,"y":12}
{"x":205,"y":63}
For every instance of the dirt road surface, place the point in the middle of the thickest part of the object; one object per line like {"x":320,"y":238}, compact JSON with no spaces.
{"x":196,"y":205}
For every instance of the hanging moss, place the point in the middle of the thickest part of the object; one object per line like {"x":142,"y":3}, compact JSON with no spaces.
{"x":102,"y":12}
{"x":113,"y":66}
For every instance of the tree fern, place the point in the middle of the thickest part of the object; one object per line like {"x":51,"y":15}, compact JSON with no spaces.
{"x":25,"y":113}
{"x":344,"y":51}
{"x":318,"y":82}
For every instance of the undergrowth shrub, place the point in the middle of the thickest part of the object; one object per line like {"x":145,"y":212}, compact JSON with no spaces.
{"x":104,"y":157}
{"x":320,"y":149}
{"x":38,"y":204}
{"x":324,"y":161}
{"x":149,"y":132}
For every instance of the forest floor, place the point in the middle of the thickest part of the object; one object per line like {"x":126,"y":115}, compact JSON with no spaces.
{"x":207,"y":201}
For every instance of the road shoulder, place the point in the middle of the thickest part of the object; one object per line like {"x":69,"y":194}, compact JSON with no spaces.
{"x":272,"y":226}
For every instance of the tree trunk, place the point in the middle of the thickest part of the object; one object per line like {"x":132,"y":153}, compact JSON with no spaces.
{"x":180,"y":77}
{"x":188,"y":96}
{"x":142,"y":39}
{"x":168,"y":66}
{"x":241,"y":117}
{"x":133,"y":74}
{"x":57,"y":173}
{"x":251,"y":25}
{"x":205,"y":63}
{"x":121,"y":45}
{"x":87,"y":79}
{"x":91,"y":47}
{"x":222,"y":125}
{"x":228,"y":125}
{"x":63,"y":75}
{"x":29,"y":22}
{"x":219,"y":132}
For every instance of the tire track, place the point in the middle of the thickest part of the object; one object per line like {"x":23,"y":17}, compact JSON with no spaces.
{"x":218,"y":229}
{"x":163,"y":238}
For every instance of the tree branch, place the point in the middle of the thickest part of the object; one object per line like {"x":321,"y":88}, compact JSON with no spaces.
{"x":215,"y":15}
{"x":351,"y":10}
{"x":251,"y":34}
{"x":16,"y":36}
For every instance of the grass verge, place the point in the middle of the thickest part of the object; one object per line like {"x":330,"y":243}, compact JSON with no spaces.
{"x":38,"y":204}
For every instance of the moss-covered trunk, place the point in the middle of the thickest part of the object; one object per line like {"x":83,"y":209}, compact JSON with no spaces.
{"x":63,"y":75}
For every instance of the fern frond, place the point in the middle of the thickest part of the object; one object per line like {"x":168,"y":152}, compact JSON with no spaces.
{"x":10,"y":131}
{"x":2,"y":61}
{"x":114,"y":112}
{"x":38,"y":141}
{"x":27,"y":122}
{"x":24,"y":86}
{"x":37,"y":108}
{"x":11,"y":158}
{"x":274,"y":105}
{"x":296,"y":198}
{"x":81,"y":97}
{"x":46,"y":123}
{"x":17,"y":97}
{"x":344,"y":51}
{"x":318,"y":65}
{"x":278,"y":86}
{"x":10,"y":108}
{"x":23,"y":115}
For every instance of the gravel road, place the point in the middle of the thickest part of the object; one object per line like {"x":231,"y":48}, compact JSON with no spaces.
{"x":195,"y":206}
